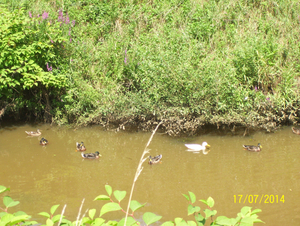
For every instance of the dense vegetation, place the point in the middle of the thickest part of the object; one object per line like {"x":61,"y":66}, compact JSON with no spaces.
{"x":128,"y":62}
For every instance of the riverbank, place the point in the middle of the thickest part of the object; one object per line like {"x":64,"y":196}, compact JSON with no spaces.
{"x":128,"y":65}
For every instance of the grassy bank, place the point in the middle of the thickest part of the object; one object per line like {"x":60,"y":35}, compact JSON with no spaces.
{"x":190,"y":63}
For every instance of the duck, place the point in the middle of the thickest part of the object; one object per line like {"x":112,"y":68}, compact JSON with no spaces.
{"x":296,"y":131}
{"x":80,"y":146}
{"x":155,"y":159}
{"x":33,"y":133}
{"x":198,"y":147}
{"x":43,"y":141}
{"x":253,"y":147}
{"x":95,"y":155}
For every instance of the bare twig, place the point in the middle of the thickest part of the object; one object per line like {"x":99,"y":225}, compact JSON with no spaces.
{"x":62,"y":214}
{"x":139,"y":169}
{"x":78,"y":216}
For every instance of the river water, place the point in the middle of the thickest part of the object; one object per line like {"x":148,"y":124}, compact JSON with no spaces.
{"x":40,"y":177}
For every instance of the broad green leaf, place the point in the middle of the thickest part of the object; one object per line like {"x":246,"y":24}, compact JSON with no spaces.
{"x":56,"y":218}
{"x":9,"y":202}
{"x":49,"y":222}
{"x":19,"y":219}
{"x":209,"y":213}
{"x":7,"y":218}
{"x":98,"y":222}
{"x":247,"y":221}
{"x":204,"y":201}
{"x":193,"y":209}
{"x":86,"y":220}
{"x":150,"y":218}
{"x":108,"y":189}
{"x":108,"y":207}
{"x":245,"y":210}
{"x":130,"y":221}
{"x":191,"y":223}
{"x":92,"y":213}
{"x":45,"y":214}
{"x":178,"y":220}
{"x":186,"y":196}
{"x":53,"y":209}
{"x":168,"y":223}
{"x":135,"y":205}
{"x":210,"y":202}
{"x":102,"y":197}
{"x":19,"y":213}
{"x":200,"y":219}
{"x":256,"y":211}
{"x":3,"y":189}
{"x":192,"y":196}
{"x":222,"y":220}
{"x":119,"y":195}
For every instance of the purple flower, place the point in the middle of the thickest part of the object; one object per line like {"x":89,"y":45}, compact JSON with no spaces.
{"x":38,"y":15}
{"x":70,"y":39}
{"x":67,"y":19}
{"x":255,"y":88}
{"x":69,"y":31}
{"x":45,"y":15}
{"x":49,"y":68}
{"x":268,"y":98}
{"x":51,"y":41}
{"x":30,"y":15}
{"x":73,"y":22}
{"x":60,"y":15}
{"x":125,"y":60}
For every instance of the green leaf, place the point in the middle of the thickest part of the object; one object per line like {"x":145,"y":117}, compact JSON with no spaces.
{"x":102,"y":197}
{"x":53,"y":209}
{"x":108,"y":207}
{"x":245,"y":210}
{"x":210,"y":202}
{"x":191,"y":223}
{"x":92,"y":213}
{"x":168,"y":223}
{"x":98,"y":222}
{"x":186,"y":196}
{"x":119,"y":195}
{"x":192,"y":196}
{"x":179,"y":221}
{"x":19,"y":219}
{"x":3,"y":189}
{"x":49,"y":222}
{"x":204,"y":201}
{"x":200,"y":219}
{"x":135,"y":205}
{"x":150,"y":218}
{"x":19,"y":213}
{"x":108,"y":189}
{"x":222,"y":220}
{"x":193,"y":209}
{"x":209,"y":213}
{"x":56,"y":218}
{"x":130,"y":221}
{"x":44,"y":214}
{"x":9,"y":202}
{"x":256,"y":211}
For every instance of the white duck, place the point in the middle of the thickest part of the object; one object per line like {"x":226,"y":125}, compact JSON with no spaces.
{"x":198,"y":147}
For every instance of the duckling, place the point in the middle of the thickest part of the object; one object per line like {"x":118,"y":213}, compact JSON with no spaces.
{"x":95,"y":155}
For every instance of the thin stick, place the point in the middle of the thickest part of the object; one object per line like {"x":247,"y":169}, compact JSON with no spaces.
{"x":62,"y":214}
{"x":78,"y":216}
{"x":139,"y":169}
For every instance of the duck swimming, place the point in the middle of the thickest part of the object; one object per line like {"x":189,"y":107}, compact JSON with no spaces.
{"x":198,"y":147}
{"x":43,"y":141}
{"x":33,"y":133}
{"x":253,"y":148}
{"x":296,"y":131}
{"x":95,"y":155}
{"x":80,"y":146}
{"x":155,"y":159}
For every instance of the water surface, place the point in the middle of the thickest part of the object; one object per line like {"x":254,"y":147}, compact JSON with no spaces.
{"x":40,"y":177}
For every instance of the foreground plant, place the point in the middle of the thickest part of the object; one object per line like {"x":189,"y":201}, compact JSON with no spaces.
{"x":18,"y":217}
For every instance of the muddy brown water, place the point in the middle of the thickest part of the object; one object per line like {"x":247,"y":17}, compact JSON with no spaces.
{"x":40,"y":177}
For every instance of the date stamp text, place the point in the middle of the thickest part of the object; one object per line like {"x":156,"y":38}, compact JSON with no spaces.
{"x":258,"y":199}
